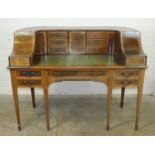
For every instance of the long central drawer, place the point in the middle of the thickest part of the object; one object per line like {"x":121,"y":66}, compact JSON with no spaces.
{"x":76,"y":73}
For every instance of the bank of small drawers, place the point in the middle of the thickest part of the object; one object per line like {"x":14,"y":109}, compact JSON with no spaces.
{"x":96,"y":42}
{"x":124,"y":78}
{"x":57,"y":42}
{"x":28,"y":78}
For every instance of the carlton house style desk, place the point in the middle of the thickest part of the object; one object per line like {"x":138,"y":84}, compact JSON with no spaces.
{"x":43,"y":55}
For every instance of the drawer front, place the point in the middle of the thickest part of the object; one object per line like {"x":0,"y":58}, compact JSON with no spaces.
{"x":76,"y":73}
{"x":97,"y":34}
{"x":24,"y":38}
{"x":29,"y":83}
{"x":125,"y":82}
{"x":96,"y":50}
{"x":96,"y":42}
{"x":57,"y":42}
{"x":57,"y":50}
{"x":126,"y":74}
{"x":136,"y":60}
{"x":28,"y":73}
{"x":57,"y":35}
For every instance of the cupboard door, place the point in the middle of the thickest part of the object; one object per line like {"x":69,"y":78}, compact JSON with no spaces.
{"x":77,"y":42}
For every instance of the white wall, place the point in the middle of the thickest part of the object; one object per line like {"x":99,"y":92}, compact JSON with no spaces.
{"x":8,"y":26}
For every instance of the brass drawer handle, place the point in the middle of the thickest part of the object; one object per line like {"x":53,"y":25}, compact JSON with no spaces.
{"x":29,"y":73}
{"x":93,"y":73}
{"x":24,"y":73}
{"x":64,"y":73}
{"x":33,"y":82}
{"x":32,"y":73}
{"x":25,"y":82}
{"x":126,"y":82}
{"x":128,"y":73}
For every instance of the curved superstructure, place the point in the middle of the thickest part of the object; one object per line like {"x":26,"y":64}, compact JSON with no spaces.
{"x":123,"y":43}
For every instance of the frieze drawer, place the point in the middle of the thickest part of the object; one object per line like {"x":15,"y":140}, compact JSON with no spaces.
{"x":125,"y":82}
{"x":28,"y":73}
{"x":77,"y":73}
{"x":29,"y":83}
{"x":126,"y":74}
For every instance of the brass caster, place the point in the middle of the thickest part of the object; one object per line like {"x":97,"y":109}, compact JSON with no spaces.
{"x":19,"y":127}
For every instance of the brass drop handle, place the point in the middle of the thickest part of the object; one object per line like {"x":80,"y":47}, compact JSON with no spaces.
{"x":32,"y":73}
{"x":126,"y":74}
{"x":24,"y":73}
{"x":25,"y":82}
{"x":126,"y":82}
{"x":33,"y":82}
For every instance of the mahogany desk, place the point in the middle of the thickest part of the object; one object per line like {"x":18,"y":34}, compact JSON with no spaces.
{"x":43,"y":55}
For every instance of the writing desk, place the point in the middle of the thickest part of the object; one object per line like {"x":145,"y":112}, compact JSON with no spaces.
{"x":45,"y":55}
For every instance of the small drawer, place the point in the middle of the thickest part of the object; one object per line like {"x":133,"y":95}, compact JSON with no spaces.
{"x":126,"y":74}
{"x":96,"y":42}
{"x":57,"y":35}
{"x":96,"y":50}
{"x":24,"y":38}
{"x":96,"y":34}
{"x":28,"y":73}
{"x":125,"y":82}
{"x":57,"y":50}
{"x":57,"y":42}
{"x":29,"y":83}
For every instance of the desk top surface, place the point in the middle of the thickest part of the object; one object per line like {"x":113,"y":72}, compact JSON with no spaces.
{"x":81,"y":61}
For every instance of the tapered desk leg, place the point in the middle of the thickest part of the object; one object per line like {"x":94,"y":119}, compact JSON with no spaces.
{"x":16,"y":102}
{"x":33,"y":97}
{"x":46,"y":107}
{"x":45,"y":89}
{"x":109,"y":98}
{"x":139,"y":98}
{"x":122,"y":97}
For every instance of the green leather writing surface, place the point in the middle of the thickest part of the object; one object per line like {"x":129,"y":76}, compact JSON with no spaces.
{"x":76,"y":60}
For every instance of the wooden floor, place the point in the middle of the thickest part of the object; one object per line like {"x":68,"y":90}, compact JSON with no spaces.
{"x":77,"y":115}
